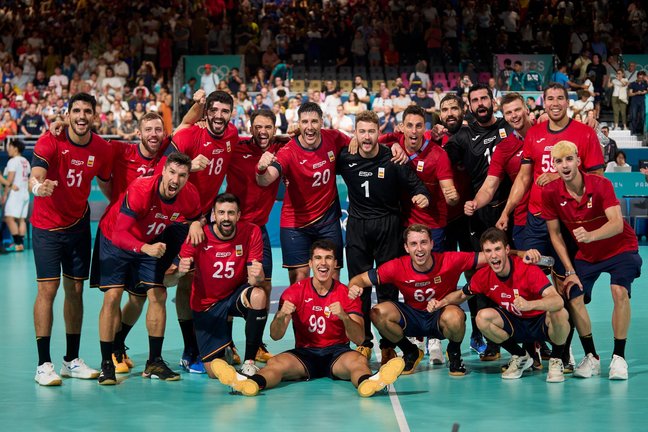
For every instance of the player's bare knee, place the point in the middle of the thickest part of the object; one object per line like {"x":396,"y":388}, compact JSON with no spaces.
{"x":157,"y":296}
{"x":47,"y":291}
{"x":619,"y":295}
{"x":377,"y":315}
{"x":257,"y":298}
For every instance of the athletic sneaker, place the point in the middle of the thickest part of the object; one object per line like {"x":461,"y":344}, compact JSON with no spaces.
{"x":386,"y":354}
{"x":618,"y":368}
{"x":119,"y":364}
{"x":365,"y":351}
{"x":419,"y":342}
{"x":129,"y":362}
{"x":228,"y":376}
{"x":263,"y":355}
{"x":107,"y":375}
{"x":197,"y":367}
{"x":456,"y":366}
{"x":20,"y":248}
{"x":435,"y":352}
{"x":412,"y":359}
{"x":555,"y":373}
{"x":477,"y":344}
{"x":159,"y":369}
{"x":11,"y":247}
{"x":46,"y":376}
{"x":545,"y":351}
{"x":249,"y":368}
{"x":78,"y":369}
{"x":491,"y":353}
{"x":387,"y":374}
{"x":569,"y":362}
{"x":589,"y":366}
{"x":517,"y":366}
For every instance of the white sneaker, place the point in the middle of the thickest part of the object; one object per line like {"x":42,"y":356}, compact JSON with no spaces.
{"x":618,"y":368}
{"x":589,"y":366}
{"x":555,"y":373}
{"x":249,"y":368}
{"x":46,"y":376}
{"x":517,"y":366}
{"x":420,"y":343}
{"x":78,"y":369}
{"x":435,"y":351}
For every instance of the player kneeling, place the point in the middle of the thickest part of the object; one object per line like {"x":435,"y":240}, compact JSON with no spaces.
{"x":324,"y":320}
{"x":529,"y":307}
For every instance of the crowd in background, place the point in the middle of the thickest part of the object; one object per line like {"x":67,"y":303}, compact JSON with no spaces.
{"x":124,"y":53}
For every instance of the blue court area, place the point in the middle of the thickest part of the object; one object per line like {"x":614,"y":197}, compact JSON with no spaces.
{"x":429,"y":400}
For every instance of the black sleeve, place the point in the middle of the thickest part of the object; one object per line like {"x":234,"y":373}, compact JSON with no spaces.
{"x":454,"y":149}
{"x":409,"y":180}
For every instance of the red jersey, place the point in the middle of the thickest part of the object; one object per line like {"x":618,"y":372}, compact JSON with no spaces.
{"x":537,"y":150}
{"x":431,"y":164}
{"x":130,"y":163}
{"x":73,"y":167}
{"x":507,"y":159}
{"x":256,"y":201}
{"x":525,"y":280}
{"x":309,"y":176}
{"x":221,"y":265}
{"x":195,"y":141}
{"x":419,"y":288}
{"x":152,"y":214}
{"x":313,"y":323}
{"x":589,"y":213}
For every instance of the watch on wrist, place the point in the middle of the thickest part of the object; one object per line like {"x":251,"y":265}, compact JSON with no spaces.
{"x":569,"y":273}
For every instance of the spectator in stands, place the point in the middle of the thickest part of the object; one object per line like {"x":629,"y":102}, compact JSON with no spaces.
{"x":127,"y":130}
{"x":283,"y":70}
{"x":637,"y":94}
{"x":108,"y":125}
{"x":583,"y":105}
{"x":278,"y":86}
{"x":281,"y":122}
{"x":438,"y":95}
{"x":535,"y":109}
{"x":382,"y":106}
{"x":533,"y":80}
{"x":111,"y":84}
{"x":209,"y":80}
{"x":497,"y":93}
{"x":422,"y":99}
{"x":419,"y":78}
{"x":516,"y":78}
{"x":619,"y":98}
{"x":400,"y":103}
{"x":503,"y":77}
{"x":342,"y":122}
{"x":58,"y":80}
{"x":353,"y":106}
{"x":234,"y":80}
{"x":8,"y":126}
{"x":19,"y":80}
{"x":360,"y":90}
{"x":619,"y":161}
{"x":610,"y":149}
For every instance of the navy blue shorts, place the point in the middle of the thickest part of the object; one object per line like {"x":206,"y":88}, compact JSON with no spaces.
{"x":519,"y":236}
{"x":212,"y":331}
{"x":525,"y":329}
{"x":319,"y":362}
{"x":68,"y":250}
{"x":296,"y":242}
{"x":134,"y":272}
{"x":438,"y":237}
{"x":267,"y":254}
{"x":623,"y":270}
{"x":418,"y":323}
{"x":536,"y":236}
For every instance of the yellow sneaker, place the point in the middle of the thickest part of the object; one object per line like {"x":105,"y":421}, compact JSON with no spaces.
{"x":262,"y":355}
{"x":365,"y":351}
{"x":386,"y":355}
{"x":228,"y":376}
{"x":120,"y":365}
{"x":412,"y":360}
{"x":387,"y":374}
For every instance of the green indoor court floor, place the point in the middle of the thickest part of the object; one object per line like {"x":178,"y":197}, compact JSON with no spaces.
{"x":429,"y":400}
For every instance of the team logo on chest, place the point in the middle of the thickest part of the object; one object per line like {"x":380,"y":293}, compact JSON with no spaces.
{"x":419,"y":166}
{"x":91,"y":159}
{"x":589,"y":203}
{"x":327,"y":312}
{"x":174,"y":216}
{"x":229,"y":146}
{"x":437,"y":279}
{"x":381,"y":173}
{"x":239,"y":250}
{"x":502,"y":133}
{"x":331,"y":156}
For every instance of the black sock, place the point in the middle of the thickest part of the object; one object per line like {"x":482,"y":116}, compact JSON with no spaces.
{"x":619,"y":347}
{"x":120,"y":337}
{"x":189,"y":337}
{"x":557,"y":351}
{"x":21,"y":240}
{"x":72,"y":350}
{"x":568,"y":342}
{"x":406,"y":346}
{"x":588,"y":345}
{"x":363,"y":377}
{"x":43,"y":345}
{"x":16,"y":239}
{"x":454,"y":349}
{"x":514,"y":348}
{"x":260,"y":380}
{"x":385,"y":343}
{"x":106,"y":350}
{"x":155,"y":347}
{"x":254,"y":325}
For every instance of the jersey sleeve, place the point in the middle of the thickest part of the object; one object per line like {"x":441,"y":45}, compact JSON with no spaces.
{"x":13,"y":165}
{"x":181,"y":142}
{"x":352,"y":306}
{"x":500,"y":156}
{"x":390,"y":138}
{"x":386,"y":273}
{"x":45,"y":151}
{"x":187,"y":251}
{"x":454,"y":150}
{"x":476,"y":284}
{"x":609,"y":197}
{"x":256,"y":245}
{"x":549,"y":211}
{"x":536,"y":279}
{"x":592,"y":157}
{"x":341,"y":141}
{"x":410,"y":182}
{"x":105,"y":172}
{"x":527,"y":149}
{"x":444,"y":167}
{"x":291,"y":295}
{"x":282,"y":162}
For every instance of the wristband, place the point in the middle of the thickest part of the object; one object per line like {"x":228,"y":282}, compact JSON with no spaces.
{"x":261,"y":172}
{"x":35,"y":188}
{"x":570,"y":273}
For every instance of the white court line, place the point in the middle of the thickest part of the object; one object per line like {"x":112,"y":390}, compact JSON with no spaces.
{"x":393,"y":396}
